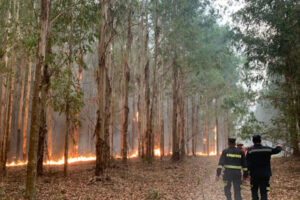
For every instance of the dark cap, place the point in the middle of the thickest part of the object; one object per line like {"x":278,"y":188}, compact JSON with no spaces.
{"x":256,"y":139}
{"x":231,"y":140}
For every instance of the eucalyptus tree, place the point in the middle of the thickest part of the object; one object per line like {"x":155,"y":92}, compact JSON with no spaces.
{"x":34,"y":128}
{"x":270,"y":36}
{"x":73,"y":25}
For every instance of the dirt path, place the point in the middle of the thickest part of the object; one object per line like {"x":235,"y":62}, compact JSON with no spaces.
{"x":285,"y":182}
{"x":192,"y":179}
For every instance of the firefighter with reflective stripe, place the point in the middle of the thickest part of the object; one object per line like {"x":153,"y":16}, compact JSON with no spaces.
{"x":233,"y":160}
{"x":258,"y":159}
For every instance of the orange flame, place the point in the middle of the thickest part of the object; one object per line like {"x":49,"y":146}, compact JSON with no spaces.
{"x":60,"y":161}
{"x":157,"y":152}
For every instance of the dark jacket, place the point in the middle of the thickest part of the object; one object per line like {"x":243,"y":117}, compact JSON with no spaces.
{"x":258,"y":160}
{"x":233,"y":160}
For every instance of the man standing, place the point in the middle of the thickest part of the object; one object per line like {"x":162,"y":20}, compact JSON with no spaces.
{"x":233,"y":160}
{"x":258,"y":160}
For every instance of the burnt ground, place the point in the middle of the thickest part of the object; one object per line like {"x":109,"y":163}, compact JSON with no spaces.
{"x":191,"y":179}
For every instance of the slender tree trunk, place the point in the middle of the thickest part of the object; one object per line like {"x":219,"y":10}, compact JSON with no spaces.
{"x":161,"y":120}
{"x":175,"y":145}
{"x":32,"y":153}
{"x":217,"y":128}
{"x":68,"y":129}
{"x":49,"y":117}
{"x":26,"y":111}
{"x":169,"y":125}
{"x":139,"y":84}
{"x":112,"y":107}
{"x":20,"y":114}
{"x":196,"y":127}
{"x":147,"y":94}
{"x":43,"y":118}
{"x":193,"y":127}
{"x":133,"y":125}
{"x":7,"y":136}
{"x":4,"y":95}
{"x":181,"y":108}
{"x":154,"y":85}
{"x":3,"y":111}
{"x":107,"y":112}
{"x":45,"y":86}
{"x":187,"y":127}
{"x":124,"y":130}
{"x":139,"y":123}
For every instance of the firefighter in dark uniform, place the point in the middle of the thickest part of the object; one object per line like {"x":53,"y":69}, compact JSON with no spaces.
{"x":258,"y":159}
{"x":233,"y":160}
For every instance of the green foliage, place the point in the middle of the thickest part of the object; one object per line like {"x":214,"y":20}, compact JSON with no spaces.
{"x":64,"y":93}
{"x":270,"y":37}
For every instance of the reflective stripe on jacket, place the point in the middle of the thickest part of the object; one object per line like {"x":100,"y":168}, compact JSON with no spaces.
{"x":233,"y":160}
{"x":258,"y":159}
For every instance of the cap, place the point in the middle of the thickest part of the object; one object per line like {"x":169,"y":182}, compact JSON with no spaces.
{"x":231,"y":140}
{"x":256,"y":138}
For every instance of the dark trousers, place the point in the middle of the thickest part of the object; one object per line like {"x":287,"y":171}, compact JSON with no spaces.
{"x":263,"y":184}
{"x":236,"y":187}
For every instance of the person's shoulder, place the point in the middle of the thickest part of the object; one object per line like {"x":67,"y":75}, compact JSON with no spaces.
{"x":249,"y":148}
{"x":266,"y":147}
{"x":225,"y":150}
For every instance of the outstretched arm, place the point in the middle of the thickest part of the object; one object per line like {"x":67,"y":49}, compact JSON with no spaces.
{"x":276,"y":150}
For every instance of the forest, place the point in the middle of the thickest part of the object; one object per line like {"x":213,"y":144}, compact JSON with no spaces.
{"x":136,"y":99}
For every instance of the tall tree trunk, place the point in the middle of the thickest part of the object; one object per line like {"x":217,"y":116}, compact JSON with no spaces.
{"x":4,"y":94}
{"x":154,"y":85}
{"x":161,"y":120}
{"x":196,"y":126}
{"x":133,"y":124}
{"x":217,"y":128}
{"x":45,"y":87}
{"x":7,"y":136}
{"x":124,"y":130}
{"x":32,"y":153}
{"x":187,"y":127}
{"x":103,"y":44}
{"x":147,"y":93}
{"x":169,"y":125}
{"x":139,"y":123}
{"x":193,"y":127}
{"x":67,"y":135}
{"x":181,"y":108}
{"x":140,"y":131}
{"x":49,"y":118}
{"x":26,"y":111}
{"x":107,"y":112}
{"x":112,"y":107}
{"x":175,"y":145}
{"x":20,"y":114}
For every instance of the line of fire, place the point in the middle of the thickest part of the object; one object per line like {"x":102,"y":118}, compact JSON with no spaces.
{"x":206,"y":145}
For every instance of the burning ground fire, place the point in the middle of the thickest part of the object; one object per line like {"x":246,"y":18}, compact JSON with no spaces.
{"x":78,"y":159}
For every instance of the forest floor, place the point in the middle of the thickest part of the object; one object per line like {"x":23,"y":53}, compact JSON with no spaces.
{"x":191,"y":179}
